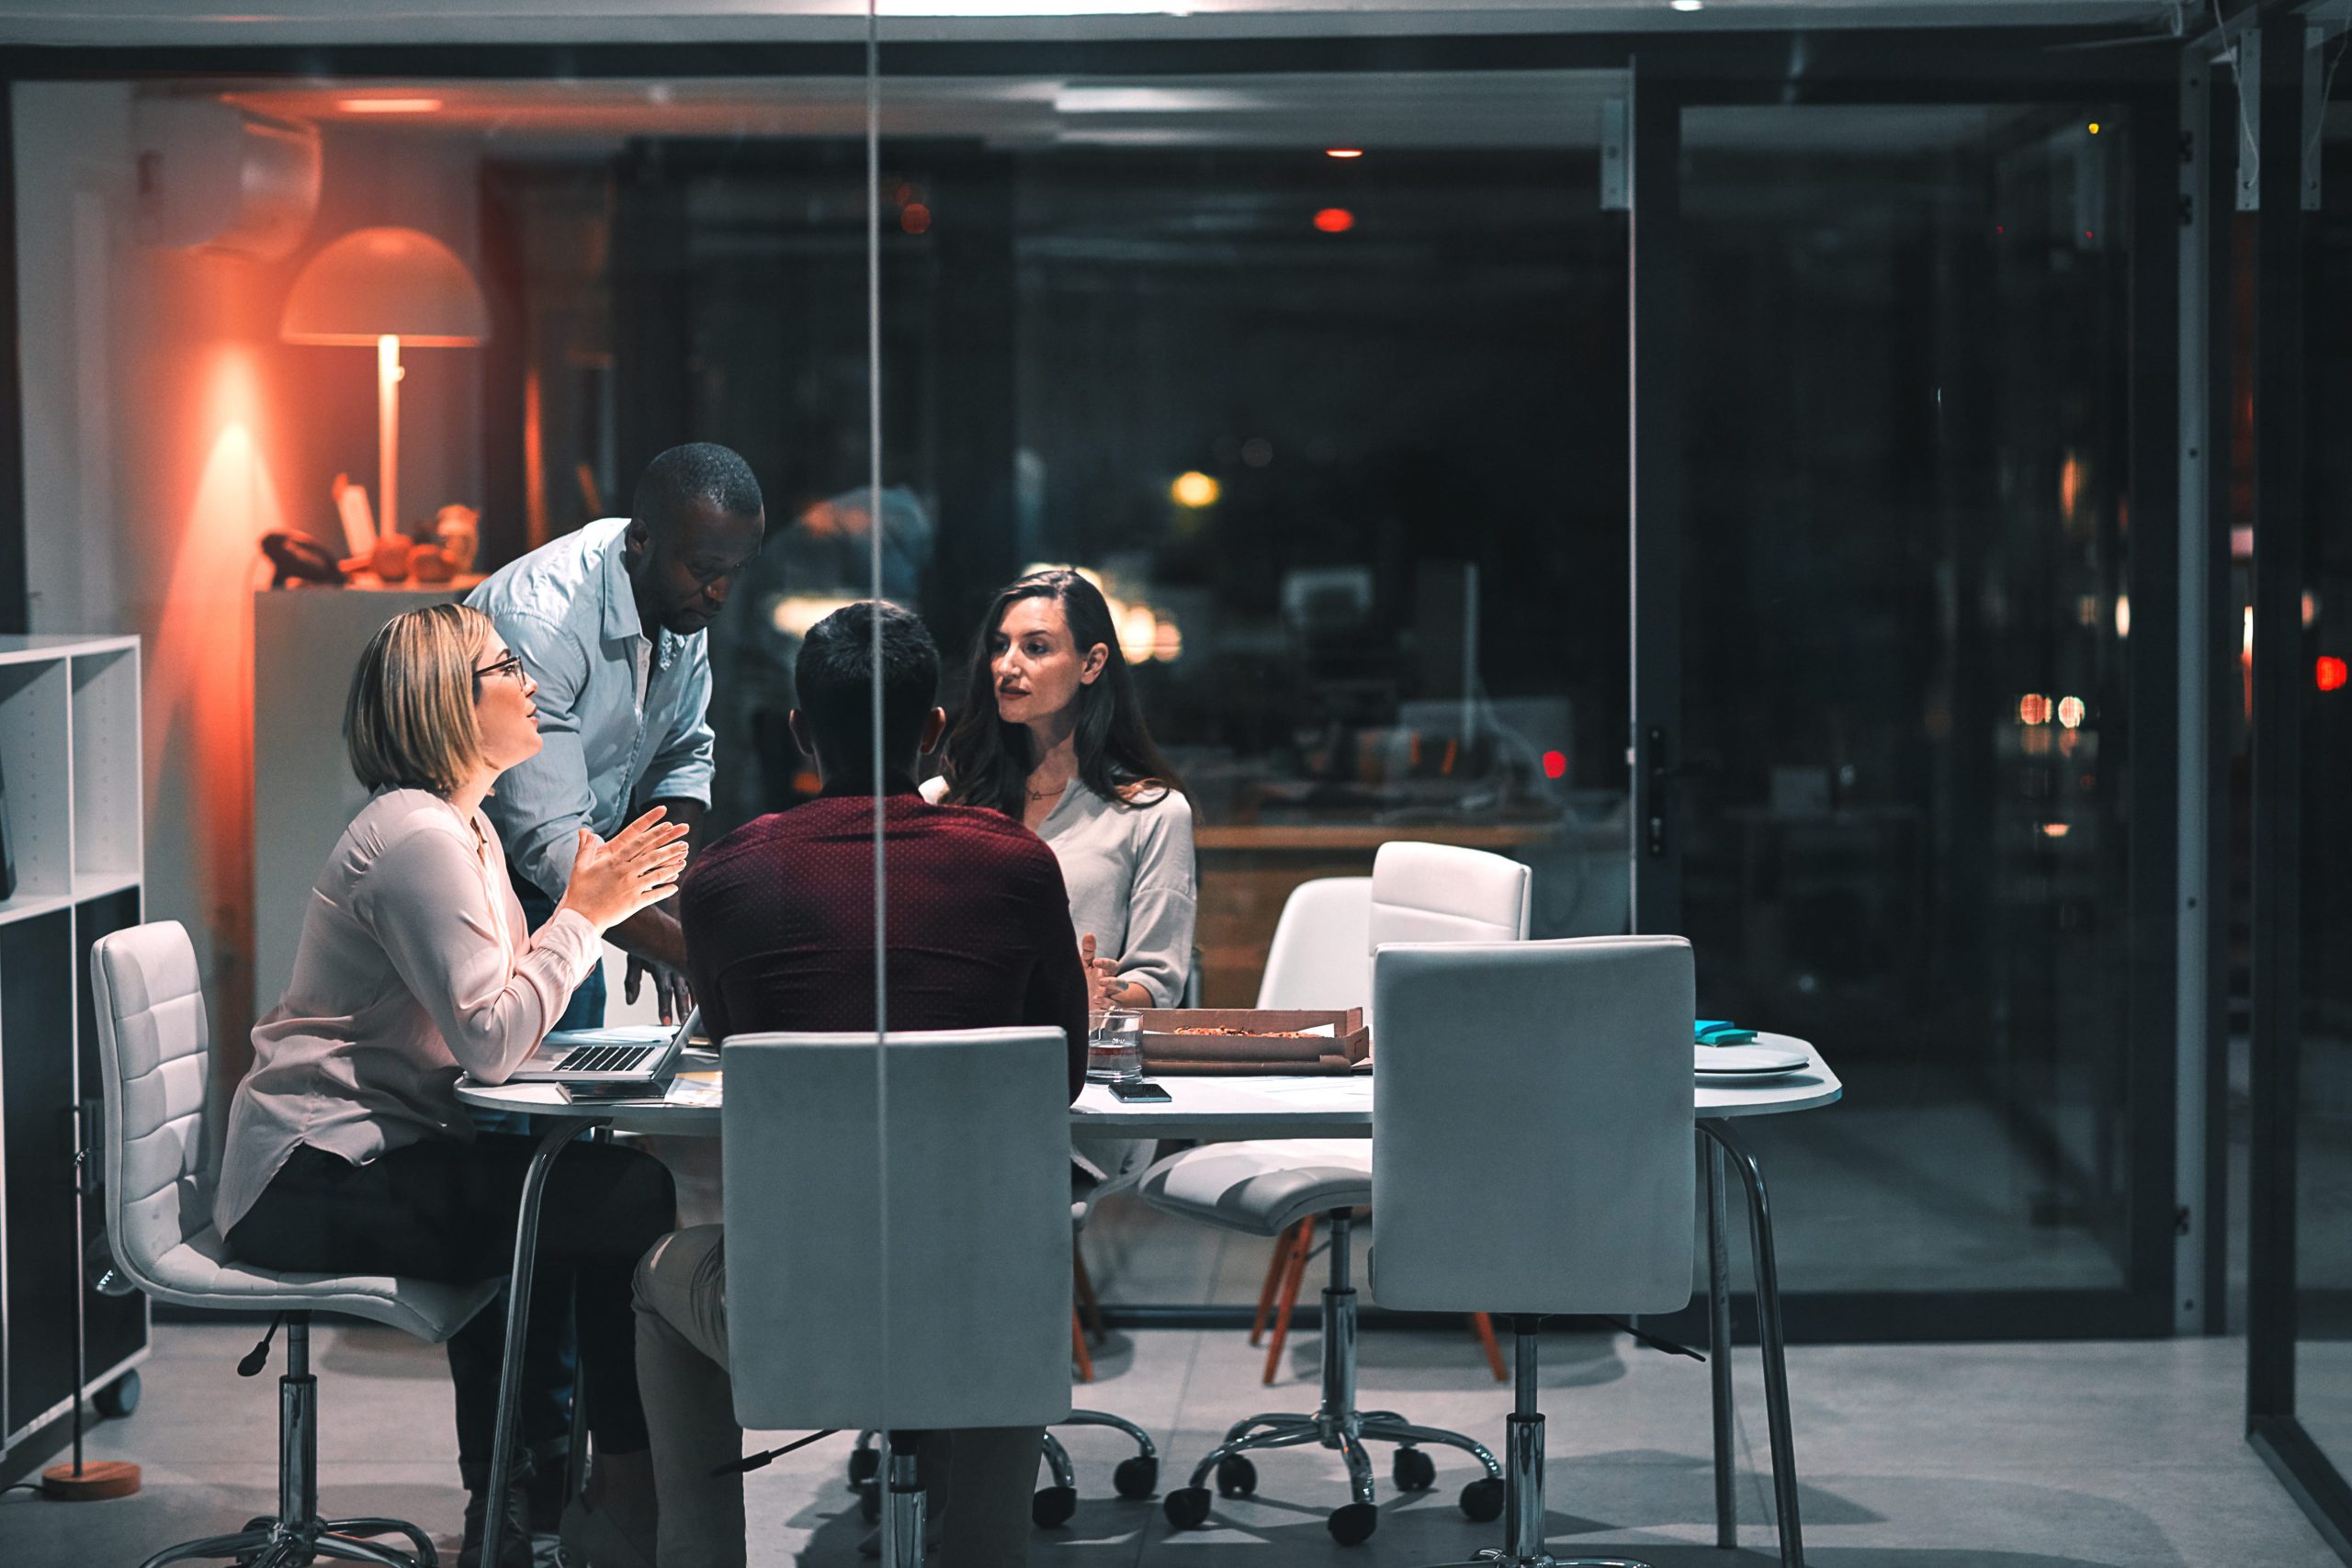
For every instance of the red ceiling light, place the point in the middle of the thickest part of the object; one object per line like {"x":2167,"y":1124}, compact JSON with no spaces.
{"x":915,"y":219}
{"x":1334,"y":220}
{"x":2332,"y":672}
{"x":1556,"y":765}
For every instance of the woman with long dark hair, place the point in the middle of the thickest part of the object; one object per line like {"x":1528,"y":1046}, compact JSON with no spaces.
{"x":1051,"y":735}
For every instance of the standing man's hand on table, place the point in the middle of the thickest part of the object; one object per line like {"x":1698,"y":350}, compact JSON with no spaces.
{"x":653,"y":938}
{"x":671,"y":994}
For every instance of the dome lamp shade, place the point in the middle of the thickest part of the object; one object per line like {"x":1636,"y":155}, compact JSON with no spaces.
{"x":380,"y":283}
{"x":382,"y":288}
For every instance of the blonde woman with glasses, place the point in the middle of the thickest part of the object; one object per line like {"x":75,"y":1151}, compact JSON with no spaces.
{"x":347,"y":1151}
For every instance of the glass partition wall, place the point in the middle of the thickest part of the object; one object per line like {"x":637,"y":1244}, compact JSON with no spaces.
{"x":1321,"y":380}
{"x":2294,"y":360}
{"x":1903,"y":668}
{"x":1326,"y":378}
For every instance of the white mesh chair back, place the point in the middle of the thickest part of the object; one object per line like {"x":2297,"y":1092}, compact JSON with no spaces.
{"x":1444,"y":893}
{"x":1532,"y":1126}
{"x":945,"y":1304}
{"x":1321,"y":956}
{"x":156,"y":1057}
{"x":1441,"y":893}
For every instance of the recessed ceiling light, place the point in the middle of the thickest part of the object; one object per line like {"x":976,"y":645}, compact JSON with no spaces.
{"x":387,"y":105}
{"x":1344,"y":152}
{"x":1687,"y":5}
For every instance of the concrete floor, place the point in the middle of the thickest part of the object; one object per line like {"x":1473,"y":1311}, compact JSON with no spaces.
{"x":2001,"y":1456}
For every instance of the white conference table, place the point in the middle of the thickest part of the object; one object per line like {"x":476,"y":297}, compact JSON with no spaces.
{"x":1212,"y":1109}
{"x":1206,"y":1108}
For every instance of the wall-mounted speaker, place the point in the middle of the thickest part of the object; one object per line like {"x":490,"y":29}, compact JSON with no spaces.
{"x":216,"y":176}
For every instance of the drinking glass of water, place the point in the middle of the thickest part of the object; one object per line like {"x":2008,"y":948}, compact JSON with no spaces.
{"x":1114,"y":1046}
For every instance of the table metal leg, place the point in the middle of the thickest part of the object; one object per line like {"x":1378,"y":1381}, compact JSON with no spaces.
{"x":1719,"y":1347}
{"x":518,"y":1308}
{"x":1769,"y":1330}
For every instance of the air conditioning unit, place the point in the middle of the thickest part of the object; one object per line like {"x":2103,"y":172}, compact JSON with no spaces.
{"x":218,"y":178}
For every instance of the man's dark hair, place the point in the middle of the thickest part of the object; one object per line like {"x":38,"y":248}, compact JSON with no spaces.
{"x":698,"y":471}
{"x":833,"y":672}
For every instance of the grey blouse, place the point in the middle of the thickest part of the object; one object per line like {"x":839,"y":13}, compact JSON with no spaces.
{"x":1129,"y":873}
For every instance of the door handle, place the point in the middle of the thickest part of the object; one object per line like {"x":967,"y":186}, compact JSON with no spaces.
{"x":1654,"y":797}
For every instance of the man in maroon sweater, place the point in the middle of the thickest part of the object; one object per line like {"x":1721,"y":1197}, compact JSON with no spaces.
{"x":779,"y":929}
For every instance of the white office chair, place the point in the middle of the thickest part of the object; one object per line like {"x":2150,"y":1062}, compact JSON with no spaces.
{"x":155,"y":1054}
{"x":1539,"y":1163}
{"x":1133,"y":1478}
{"x":1419,"y":893}
{"x":1321,"y":954}
{"x":919,"y":1281}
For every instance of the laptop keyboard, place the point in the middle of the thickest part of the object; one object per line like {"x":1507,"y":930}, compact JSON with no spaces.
{"x":602,"y":1058}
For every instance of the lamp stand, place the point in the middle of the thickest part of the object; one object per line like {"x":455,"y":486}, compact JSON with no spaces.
{"x":388,"y":435}
{"x":83,"y":1481}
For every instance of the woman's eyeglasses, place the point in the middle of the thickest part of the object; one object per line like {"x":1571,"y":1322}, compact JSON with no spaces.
{"x":510,"y":665}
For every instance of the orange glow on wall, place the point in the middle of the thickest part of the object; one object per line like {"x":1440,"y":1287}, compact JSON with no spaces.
{"x":387,"y":105}
{"x":535,"y":472}
{"x":218,"y":496}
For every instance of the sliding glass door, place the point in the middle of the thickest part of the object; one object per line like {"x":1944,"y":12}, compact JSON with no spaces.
{"x":1903,"y":650}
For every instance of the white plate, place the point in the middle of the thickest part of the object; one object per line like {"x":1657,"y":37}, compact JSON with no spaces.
{"x":1767,"y":1075}
{"x":1745,"y":1061}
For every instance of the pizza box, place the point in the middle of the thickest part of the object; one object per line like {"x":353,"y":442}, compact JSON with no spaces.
{"x":1254,"y":1039}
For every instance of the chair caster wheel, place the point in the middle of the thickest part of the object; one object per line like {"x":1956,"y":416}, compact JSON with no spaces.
{"x":1353,"y":1523}
{"x":1052,"y":1506}
{"x":869,"y":1503}
{"x":865,"y":1464}
{"x":1187,"y":1507}
{"x":1414,"y":1471}
{"x":1236,"y":1477}
{"x":1136,"y":1477}
{"x":1483,"y":1499}
{"x":118,"y":1398}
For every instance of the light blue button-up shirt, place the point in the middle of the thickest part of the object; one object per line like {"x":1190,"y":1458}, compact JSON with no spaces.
{"x":568,"y":609}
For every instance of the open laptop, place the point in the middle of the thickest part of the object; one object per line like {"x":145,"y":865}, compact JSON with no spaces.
{"x":627,"y":1053}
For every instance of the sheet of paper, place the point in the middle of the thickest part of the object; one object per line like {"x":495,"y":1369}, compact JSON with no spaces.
{"x":694,"y":1088}
{"x":1335,"y":1087}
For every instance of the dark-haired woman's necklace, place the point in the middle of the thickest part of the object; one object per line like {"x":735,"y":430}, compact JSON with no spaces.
{"x":1048,"y":794}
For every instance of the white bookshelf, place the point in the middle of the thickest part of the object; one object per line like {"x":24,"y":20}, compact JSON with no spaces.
{"x":71,"y":768}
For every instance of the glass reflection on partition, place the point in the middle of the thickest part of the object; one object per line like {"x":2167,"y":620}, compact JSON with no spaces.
{"x":1906,"y":629}
{"x":2323,"y":1092}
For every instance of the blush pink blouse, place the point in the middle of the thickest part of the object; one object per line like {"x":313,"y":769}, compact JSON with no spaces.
{"x":414,"y":967}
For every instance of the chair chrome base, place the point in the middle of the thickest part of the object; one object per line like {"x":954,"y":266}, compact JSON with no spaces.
{"x":1523,"y":1528}
{"x":297,"y":1536}
{"x":1052,"y":1506}
{"x":1337,"y":1423}
{"x":1134,"y":1478}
